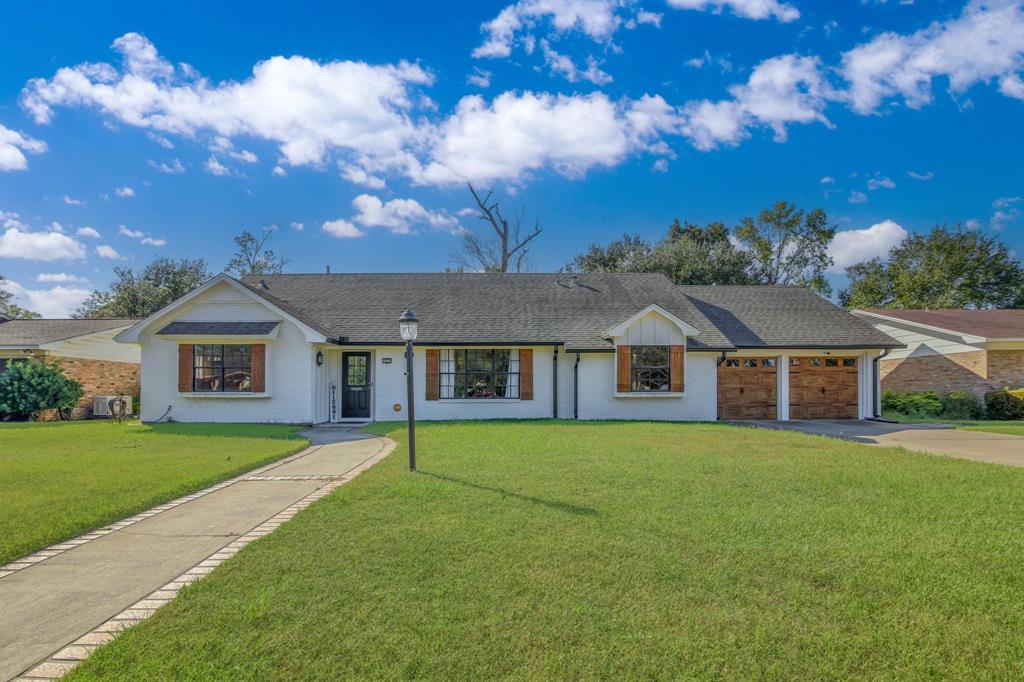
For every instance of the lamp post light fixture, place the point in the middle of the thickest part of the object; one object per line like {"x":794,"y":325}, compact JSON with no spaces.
{"x":407,"y":326}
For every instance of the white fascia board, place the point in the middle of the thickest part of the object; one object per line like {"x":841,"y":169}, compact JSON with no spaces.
{"x":131,"y":335}
{"x":685,"y":327}
{"x":968,"y":338}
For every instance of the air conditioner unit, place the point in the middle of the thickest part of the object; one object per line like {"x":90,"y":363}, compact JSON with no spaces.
{"x":101,"y":404}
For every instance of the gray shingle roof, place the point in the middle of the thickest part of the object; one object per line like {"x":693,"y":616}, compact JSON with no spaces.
{"x":480,"y":307}
{"x":220,"y":328}
{"x":783,"y":316}
{"x":38,"y":332}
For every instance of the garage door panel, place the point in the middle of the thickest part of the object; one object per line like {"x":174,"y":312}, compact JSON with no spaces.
{"x":823,"y":388}
{"x":747,"y":388}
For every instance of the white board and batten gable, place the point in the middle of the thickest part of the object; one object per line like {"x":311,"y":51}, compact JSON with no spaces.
{"x":652,"y":326}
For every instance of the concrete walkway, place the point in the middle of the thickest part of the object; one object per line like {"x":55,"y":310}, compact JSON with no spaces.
{"x":51,"y":604}
{"x":936,"y":439}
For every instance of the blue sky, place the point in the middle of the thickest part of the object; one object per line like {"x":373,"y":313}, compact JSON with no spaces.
{"x":131,"y":132}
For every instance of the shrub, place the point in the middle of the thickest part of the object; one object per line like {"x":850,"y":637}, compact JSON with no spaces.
{"x":27,"y":388}
{"x":913,"y":403}
{"x":961,"y":405}
{"x":1005,"y":404}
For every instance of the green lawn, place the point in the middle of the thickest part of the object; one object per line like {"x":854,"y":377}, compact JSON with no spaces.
{"x":540,"y":550}
{"x":62,"y":479}
{"x":1013,"y":428}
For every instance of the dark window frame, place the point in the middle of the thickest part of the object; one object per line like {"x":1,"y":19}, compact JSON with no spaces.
{"x":215,"y":353}
{"x":449,"y":384}
{"x":649,"y":373}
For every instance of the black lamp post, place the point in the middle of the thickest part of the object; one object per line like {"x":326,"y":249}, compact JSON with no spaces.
{"x":407,"y":326}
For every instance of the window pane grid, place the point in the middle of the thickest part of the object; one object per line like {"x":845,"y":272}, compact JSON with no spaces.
{"x":650,"y":369}
{"x":478,"y":373}
{"x":221,"y":367}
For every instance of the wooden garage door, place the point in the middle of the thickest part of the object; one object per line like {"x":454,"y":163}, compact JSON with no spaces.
{"x":823,"y":388}
{"x":747,"y":388}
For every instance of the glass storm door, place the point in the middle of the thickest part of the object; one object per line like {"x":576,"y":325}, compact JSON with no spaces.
{"x":355,"y":385}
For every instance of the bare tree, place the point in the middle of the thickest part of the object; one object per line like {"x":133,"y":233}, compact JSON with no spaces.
{"x":504,"y":251}
{"x":253,"y":257}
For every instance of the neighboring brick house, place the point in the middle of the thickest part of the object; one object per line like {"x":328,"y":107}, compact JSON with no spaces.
{"x":85,"y":349}
{"x":970,"y":350}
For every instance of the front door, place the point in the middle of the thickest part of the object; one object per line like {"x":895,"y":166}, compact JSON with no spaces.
{"x":355,"y":385}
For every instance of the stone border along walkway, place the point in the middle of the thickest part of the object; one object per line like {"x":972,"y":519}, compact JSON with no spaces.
{"x":60,"y":548}
{"x":60,"y":662}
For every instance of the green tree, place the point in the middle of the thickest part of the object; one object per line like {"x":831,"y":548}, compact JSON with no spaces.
{"x":949,"y":267}
{"x":28,"y":387}
{"x":631,"y":253}
{"x":139,"y":295}
{"x":691,"y":254}
{"x":8,"y":308}
{"x":788,"y":246}
{"x":252,"y":257}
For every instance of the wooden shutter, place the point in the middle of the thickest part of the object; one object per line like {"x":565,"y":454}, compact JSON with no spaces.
{"x":184,"y":368}
{"x":675,"y":369}
{"x":526,"y":374}
{"x":258,"y":356}
{"x":623,"y":365}
{"x":433,"y":373}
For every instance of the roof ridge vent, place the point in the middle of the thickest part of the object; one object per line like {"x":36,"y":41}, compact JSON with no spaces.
{"x":263,"y":284}
{"x":574,"y":279}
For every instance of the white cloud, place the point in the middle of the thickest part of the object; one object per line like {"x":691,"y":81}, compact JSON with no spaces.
{"x":857,"y":197}
{"x":105,"y":251}
{"x":780,"y":91}
{"x":17,"y":242}
{"x":985,"y":43}
{"x":13,"y":146}
{"x":880,"y":183}
{"x":561,"y":65}
{"x":124,"y":192}
{"x":399,"y":215}
{"x":827,"y":180}
{"x":60,"y":278}
{"x":920,"y":176}
{"x":216,"y":167}
{"x":160,"y":140}
{"x":973,"y":224}
{"x":748,"y":9}
{"x":342,"y":229}
{"x":660,"y":166}
{"x":308,"y":108}
{"x":279,"y":171}
{"x":481,"y":78}
{"x":175,"y":166}
{"x":855,"y":246}
{"x":650,"y":18}
{"x":359,"y":176}
{"x":597,"y":19}
{"x":519,"y":133}
{"x":56,"y":227}
{"x":149,"y":241}
{"x":1012,"y":85}
{"x":298,"y":227}
{"x":71,"y":201}
{"x":1008,"y":211}
{"x":127,"y":232}
{"x":56,"y":302}
{"x":88,"y":232}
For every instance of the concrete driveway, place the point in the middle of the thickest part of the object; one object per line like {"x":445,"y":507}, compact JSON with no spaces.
{"x":935,"y":439}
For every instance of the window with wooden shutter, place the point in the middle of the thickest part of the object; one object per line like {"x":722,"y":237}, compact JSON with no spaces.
{"x":623,"y":367}
{"x":184,"y":367}
{"x":526,"y":374}
{"x":676,"y":368}
{"x":433,"y":373}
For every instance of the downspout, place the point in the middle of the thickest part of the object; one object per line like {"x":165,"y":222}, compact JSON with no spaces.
{"x":576,"y":388}
{"x":554,"y":383}
{"x":876,"y":388}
